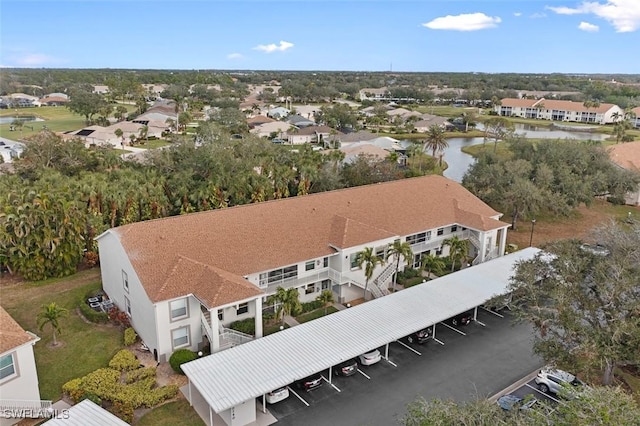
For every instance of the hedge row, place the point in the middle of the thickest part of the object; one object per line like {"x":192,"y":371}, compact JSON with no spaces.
{"x":124,"y":360}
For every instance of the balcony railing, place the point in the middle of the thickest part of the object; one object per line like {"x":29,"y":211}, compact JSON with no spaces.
{"x":297,"y":281}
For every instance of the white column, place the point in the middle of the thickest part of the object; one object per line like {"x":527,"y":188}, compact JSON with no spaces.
{"x":215,"y":330}
{"x":503,"y":241}
{"x":258,"y":321}
{"x":483,"y":246}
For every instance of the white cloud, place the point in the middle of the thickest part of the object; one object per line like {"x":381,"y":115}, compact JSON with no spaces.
{"x":270,"y":48}
{"x":538,"y":15}
{"x":235,"y":56}
{"x":516,"y":14}
{"x":624,"y":15}
{"x":591,"y":28}
{"x":464,"y":22}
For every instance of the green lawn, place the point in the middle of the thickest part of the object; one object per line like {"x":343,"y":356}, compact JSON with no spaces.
{"x":315,"y":314}
{"x":57,"y":119}
{"x":171,"y":414}
{"x":445,"y":110}
{"x":85,"y":347}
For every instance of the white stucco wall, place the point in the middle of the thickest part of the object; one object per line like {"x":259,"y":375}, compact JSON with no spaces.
{"x":240,"y":415}
{"x":24,"y":384}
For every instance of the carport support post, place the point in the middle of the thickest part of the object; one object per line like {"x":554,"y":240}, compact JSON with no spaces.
{"x":264,"y":403}
{"x":330,"y":374}
{"x":386,"y":351}
{"x":189,"y":388}
{"x":210,"y":415}
{"x":475,"y":314}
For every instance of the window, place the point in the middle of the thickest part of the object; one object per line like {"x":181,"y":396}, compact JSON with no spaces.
{"x":417,"y":238}
{"x":179,"y":309}
{"x":439,"y":251}
{"x":7,"y":367}
{"x":325,"y":262}
{"x":279,"y":275}
{"x":353,"y":259}
{"x":125,"y":281}
{"x":440,"y":231}
{"x":220,"y":315}
{"x":310,"y":288}
{"x":263,"y":280}
{"x":127,"y":306}
{"x":454,"y":228}
{"x":180,"y":337}
{"x":380,"y":251}
{"x":310,"y":265}
{"x":243,"y":308}
{"x":326,"y":284}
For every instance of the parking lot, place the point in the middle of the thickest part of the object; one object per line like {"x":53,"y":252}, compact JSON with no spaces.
{"x":462,"y":363}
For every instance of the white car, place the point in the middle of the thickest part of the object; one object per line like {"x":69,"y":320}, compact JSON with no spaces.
{"x":370,"y":358}
{"x":277,"y":395}
{"x":550,"y":380}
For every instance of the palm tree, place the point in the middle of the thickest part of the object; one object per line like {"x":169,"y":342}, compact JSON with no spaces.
{"x":458,"y":249}
{"x":370,"y":260}
{"x":288,"y":302}
{"x":51,"y":314}
{"x":326,"y":298}
{"x":431,"y":263}
{"x":397,"y":250}
{"x":435,"y":140}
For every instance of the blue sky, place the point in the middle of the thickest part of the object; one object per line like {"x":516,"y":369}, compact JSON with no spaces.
{"x":567,"y":36}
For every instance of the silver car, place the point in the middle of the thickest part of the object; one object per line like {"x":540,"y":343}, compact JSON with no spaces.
{"x":553,"y":380}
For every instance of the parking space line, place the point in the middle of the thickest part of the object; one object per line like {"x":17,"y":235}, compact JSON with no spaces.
{"x":481,"y":323}
{"x":454,"y":329}
{"x":364,"y":374}
{"x":299,"y":397}
{"x":390,"y":362}
{"x":334,"y":386}
{"x":409,"y":347}
{"x":492,"y":312}
{"x":439,"y":341}
{"x":545,"y":394}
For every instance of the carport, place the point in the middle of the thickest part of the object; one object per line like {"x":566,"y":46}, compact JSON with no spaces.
{"x":230,"y":380}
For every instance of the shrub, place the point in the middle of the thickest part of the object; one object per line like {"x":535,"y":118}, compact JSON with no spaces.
{"x":134,"y":394}
{"x":246,"y":326}
{"x":311,"y":306}
{"x":179,"y":357}
{"x":159,"y":395}
{"x":93,"y":398}
{"x":616,"y":201}
{"x":103,"y":383}
{"x":73,"y":388}
{"x":119,"y":317}
{"x":91,"y":315}
{"x":124,"y":360}
{"x":124,"y":411}
{"x":130,"y":336}
{"x":91,"y":259}
{"x":139,"y":374}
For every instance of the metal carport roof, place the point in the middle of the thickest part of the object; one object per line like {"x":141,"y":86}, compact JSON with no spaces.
{"x":228,"y":378}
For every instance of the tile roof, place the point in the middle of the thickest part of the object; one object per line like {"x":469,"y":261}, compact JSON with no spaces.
{"x":359,"y":136}
{"x":312,"y":130}
{"x":549,"y":104}
{"x":219,"y":247}
{"x":11,"y":334}
{"x":626,"y":155}
{"x":518,"y":103}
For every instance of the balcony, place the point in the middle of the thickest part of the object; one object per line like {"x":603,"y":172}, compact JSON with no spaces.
{"x":298,"y":281}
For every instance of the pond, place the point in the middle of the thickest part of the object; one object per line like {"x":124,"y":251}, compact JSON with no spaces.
{"x":459,"y":161}
{"x":10,"y":119}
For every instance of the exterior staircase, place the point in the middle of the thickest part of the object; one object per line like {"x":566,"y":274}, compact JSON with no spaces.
{"x":228,"y":338}
{"x":384,"y":278}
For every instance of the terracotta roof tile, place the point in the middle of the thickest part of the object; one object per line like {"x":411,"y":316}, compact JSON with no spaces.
{"x":11,"y":334}
{"x":258,"y":237}
{"x":521,"y":103}
{"x":626,"y":155}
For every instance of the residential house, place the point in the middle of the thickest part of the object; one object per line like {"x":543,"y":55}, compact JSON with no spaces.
{"x":266,"y":130}
{"x":100,"y":89}
{"x":635,"y":117}
{"x":556,"y":110}
{"x":373,"y":94}
{"x":22,"y":100}
{"x":307,"y":111}
{"x":278,"y":112}
{"x":182,"y":280}
{"x":50,"y":100}
{"x":299,"y":121}
{"x":428,"y":120}
{"x":359,"y":136}
{"x":402,"y":113}
{"x":627,"y":156}
{"x":258,"y":120}
{"x":106,"y":136}
{"x":354,"y":150}
{"x":18,"y":374}
{"x":313,"y":134}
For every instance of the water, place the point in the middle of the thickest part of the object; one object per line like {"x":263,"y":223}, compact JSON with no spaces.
{"x":459,"y":161}
{"x":11,"y":119}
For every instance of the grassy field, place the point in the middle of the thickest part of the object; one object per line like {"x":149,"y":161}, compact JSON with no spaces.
{"x":171,"y":414}
{"x":84,"y":346}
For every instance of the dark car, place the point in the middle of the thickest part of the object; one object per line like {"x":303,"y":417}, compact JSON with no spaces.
{"x":310,"y":383}
{"x":346,"y":368}
{"x":461,"y":319}
{"x":420,"y":336}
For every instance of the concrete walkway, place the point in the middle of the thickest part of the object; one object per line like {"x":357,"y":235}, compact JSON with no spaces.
{"x":290,"y":321}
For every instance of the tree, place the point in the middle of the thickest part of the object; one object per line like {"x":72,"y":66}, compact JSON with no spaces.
{"x":86,"y":104}
{"x":435,"y":140}
{"x":469,"y":120}
{"x":458,"y":250}
{"x":288,"y":301}
{"x":51,"y":314}
{"x":606,"y":406}
{"x":584,"y":302}
{"x":399,"y":250}
{"x":326,"y":298}
{"x":432,"y":264}
{"x":497,"y":128}
{"x":118,"y":132}
{"x":143,"y":132}
{"x":370,"y":260}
